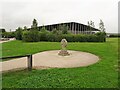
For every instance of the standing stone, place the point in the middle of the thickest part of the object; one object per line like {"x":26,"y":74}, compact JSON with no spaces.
{"x":63,"y":51}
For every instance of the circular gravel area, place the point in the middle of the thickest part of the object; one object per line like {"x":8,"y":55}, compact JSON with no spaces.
{"x":75,"y":59}
{"x":51,"y":59}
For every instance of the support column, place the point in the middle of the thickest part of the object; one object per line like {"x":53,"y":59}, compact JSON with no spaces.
{"x":57,"y":26}
{"x":73,"y":28}
{"x":84,"y":29}
{"x":76,"y":28}
{"x":80,"y":29}
{"x":49,"y":28}
{"x":70,"y":27}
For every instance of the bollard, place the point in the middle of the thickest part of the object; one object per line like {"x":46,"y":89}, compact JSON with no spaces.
{"x":29,"y":57}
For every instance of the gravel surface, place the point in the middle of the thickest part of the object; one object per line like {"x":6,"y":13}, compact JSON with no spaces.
{"x":51,"y":59}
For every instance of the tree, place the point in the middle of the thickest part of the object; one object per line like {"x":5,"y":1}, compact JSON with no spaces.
{"x":18,"y":33}
{"x":91,"y":25}
{"x":54,"y":31}
{"x":34,"y":24}
{"x":2,"y":30}
{"x":101,"y":26}
{"x":43,"y":29}
{"x":25,"y":28}
{"x":63,"y":28}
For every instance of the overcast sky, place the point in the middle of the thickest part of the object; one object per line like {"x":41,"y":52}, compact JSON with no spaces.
{"x":17,"y":13}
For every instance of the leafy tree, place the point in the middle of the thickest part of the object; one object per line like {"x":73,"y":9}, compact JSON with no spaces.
{"x":31,"y":36}
{"x":102,"y":36}
{"x":18,"y":33}
{"x":64,"y":29}
{"x":54,"y":31}
{"x":5,"y":35}
{"x":43,"y":34}
{"x":43,"y":29}
{"x":2,"y":30}
{"x":34,"y":25}
{"x":25,"y":28}
{"x":8,"y":34}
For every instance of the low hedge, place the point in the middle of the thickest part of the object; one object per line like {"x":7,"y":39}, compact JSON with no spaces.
{"x":35,"y":36}
{"x":84,"y":38}
{"x":31,"y":36}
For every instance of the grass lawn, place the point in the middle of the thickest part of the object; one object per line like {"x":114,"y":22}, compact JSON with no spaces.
{"x":100,"y":75}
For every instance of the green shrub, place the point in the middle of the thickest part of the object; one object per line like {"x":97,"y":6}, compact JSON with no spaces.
{"x":18,"y":34}
{"x":84,"y":38}
{"x":54,"y":38}
{"x":26,"y":36}
{"x":43,"y":29}
{"x":2,"y":30}
{"x":93,"y":38}
{"x":34,"y":36}
{"x":58,"y":38}
{"x":12,"y":35}
{"x":50,"y":37}
{"x":68,"y":37}
{"x":57,"y":32}
{"x":8,"y":34}
{"x":63,"y":29}
{"x":101,"y":36}
{"x":43,"y":36}
{"x":31,"y":36}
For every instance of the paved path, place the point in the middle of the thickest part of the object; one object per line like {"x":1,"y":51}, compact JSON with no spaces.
{"x":51,"y":59}
{"x":7,"y":40}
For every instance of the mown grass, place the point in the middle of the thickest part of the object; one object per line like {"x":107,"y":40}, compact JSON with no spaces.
{"x":100,"y":75}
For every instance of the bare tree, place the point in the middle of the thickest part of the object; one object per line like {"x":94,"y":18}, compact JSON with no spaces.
{"x":91,"y":26}
{"x":101,"y":26}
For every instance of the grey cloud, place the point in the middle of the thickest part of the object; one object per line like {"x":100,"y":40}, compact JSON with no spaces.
{"x":15,"y":14}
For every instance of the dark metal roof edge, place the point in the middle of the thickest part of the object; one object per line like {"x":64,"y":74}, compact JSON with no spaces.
{"x":66,"y":23}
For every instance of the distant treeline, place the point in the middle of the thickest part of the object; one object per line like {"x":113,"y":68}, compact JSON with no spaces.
{"x":56,"y":35}
{"x":114,"y":35}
